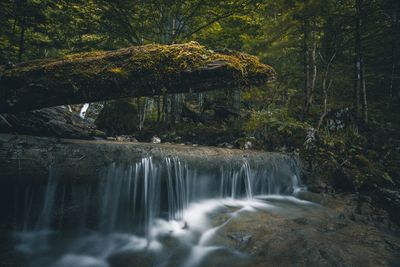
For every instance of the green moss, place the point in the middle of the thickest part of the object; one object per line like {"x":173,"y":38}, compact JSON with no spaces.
{"x":118,"y":117}
{"x":162,"y":61}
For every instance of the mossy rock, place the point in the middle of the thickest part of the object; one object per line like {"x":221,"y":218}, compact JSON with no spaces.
{"x":118,"y":117}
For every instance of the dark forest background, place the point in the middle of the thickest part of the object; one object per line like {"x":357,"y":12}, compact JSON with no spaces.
{"x":335,"y":101}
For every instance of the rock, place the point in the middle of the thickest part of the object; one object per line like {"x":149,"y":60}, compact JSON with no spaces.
{"x":126,"y":138}
{"x":225,"y":145}
{"x":49,"y":122}
{"x":248,"y":145}
{"x":80,"y":260}
{"x":119,"y":117}
{"x":301,"y":220}
{"x":240,"y":237}
{"x":177,"y":138}
{"x":343,"y":181}
{"x":156,"y":140}
{"x":391,"y":201}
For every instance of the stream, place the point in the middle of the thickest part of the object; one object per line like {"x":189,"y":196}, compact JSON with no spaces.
{"x":151,"y":213}
{"x":197,"y":209}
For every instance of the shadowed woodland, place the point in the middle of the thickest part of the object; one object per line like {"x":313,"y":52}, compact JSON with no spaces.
{"x":319,"y":79}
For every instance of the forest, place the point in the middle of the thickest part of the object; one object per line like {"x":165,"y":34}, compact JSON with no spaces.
{"x":318,"y":80}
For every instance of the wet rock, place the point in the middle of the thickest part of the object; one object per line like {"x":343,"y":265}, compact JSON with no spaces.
{"x":330,"y":228}
{"x":240,"y":237}
{"x":248,"y":145}
{"x":84,"y":261}
{"x":118,"y":117}
{"x":343,"y":180}
{"x":126,"y":138}
{"x":156,"y":140}
{"x":49,"y":122}
{"x":225,"y":257}
{"x":131,"y":258}
{"x":301,"y":221}
{"x":225,"y":145}
{"x":391,"y":200}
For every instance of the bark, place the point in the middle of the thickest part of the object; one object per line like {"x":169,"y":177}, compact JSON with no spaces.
{"x":306,"y":66}
{"x":395,"y":55}
{"x":236,"y":100}
{"x":325,"y":88}
{"x":21,"y":42}
{"x":158,"y":109}
{"x":313,"y":62}
{"x":21,"y":45}
{"x":364,"y":106}
{"x":131,"y":72}
{"x":359,"y":92}
{"x":310,"y":67}
{"x":55,"y":122}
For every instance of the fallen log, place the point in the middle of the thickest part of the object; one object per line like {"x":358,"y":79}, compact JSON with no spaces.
{"x":130,"y":72}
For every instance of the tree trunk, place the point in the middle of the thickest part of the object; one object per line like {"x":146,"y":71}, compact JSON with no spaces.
{"x":364,"y":106}
{"x":165,"y":111}
{"x":21,"y":40}
{"x":158,"y":109}
{"x":395,"y":77}
{"x":310,"y":63}
{"x":313,"y":62}
{"x":306,"y":65}
{"x":131,"y":72}
{"x":325,"y":88}
{"x":359,"y":92}
{"x":236,"y":100}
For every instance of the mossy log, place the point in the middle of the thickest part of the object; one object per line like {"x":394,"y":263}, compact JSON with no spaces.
{"x":130,"y":72}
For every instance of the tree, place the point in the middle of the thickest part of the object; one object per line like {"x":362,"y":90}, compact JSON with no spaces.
{"x":360,"y":94}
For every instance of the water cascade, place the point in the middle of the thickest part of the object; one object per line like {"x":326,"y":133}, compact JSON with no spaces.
{"x":160,"y":207}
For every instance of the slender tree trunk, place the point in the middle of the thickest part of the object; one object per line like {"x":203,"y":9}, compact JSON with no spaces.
{"x":21,"y":45}
{"x":172,"y":108}
{"x":325,"y":89}
{"x":364,"y":105}
{"x":360,"y":84}
{"x":236,"y":100}
{"x":310,"y":67}
{"x":158,"y":109}
{"x":165,"y":111}
{"x":201,"y":103}
{"x":313,"y":62}
{"x":306,"y":67}
{"x":395,"y":69}
{"x":359,"y":92}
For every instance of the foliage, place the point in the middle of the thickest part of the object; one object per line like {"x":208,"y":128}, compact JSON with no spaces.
{"x":276,"y":128}
{"x":275,"y":31}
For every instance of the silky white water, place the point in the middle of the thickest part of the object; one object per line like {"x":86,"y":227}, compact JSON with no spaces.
{"x":150,"y":213}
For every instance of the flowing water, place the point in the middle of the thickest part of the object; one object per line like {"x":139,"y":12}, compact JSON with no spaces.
{"x":154,"y":212}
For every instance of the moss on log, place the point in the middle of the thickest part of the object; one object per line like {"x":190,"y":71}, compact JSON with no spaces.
{"x":130,"y":72}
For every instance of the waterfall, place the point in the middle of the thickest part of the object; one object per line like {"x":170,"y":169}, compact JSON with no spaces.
{"x":48,"y":202}
{"x":129,"y":198}
{"x":163,"y":209}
